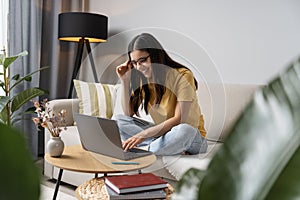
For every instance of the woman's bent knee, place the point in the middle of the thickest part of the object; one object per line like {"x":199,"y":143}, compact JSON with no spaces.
{"x":188,"y":130}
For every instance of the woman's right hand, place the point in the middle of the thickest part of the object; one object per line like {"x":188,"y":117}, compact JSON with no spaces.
{"x":124,"y":71}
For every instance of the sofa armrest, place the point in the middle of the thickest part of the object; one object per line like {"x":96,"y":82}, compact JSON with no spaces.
{"x":70,"y":105}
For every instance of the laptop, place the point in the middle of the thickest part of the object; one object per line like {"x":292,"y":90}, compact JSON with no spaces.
{"x":101,"y":135}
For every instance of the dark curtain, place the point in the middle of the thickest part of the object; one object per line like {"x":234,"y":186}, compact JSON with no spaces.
{"x":33,"y":27}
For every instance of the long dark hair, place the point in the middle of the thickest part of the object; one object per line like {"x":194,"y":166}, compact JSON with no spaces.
{"x":160,"y":61}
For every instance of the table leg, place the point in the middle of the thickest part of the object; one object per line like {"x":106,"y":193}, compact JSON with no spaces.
{"x":96,"y":175}
{"x":57,"y":183}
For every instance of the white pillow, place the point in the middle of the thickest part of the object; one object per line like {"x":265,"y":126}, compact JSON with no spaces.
{"x":95,"y":99}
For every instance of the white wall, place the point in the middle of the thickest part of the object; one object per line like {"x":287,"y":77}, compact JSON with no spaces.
{"x":248,"y":41}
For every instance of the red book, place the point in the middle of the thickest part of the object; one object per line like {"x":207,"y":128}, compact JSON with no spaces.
{"x":135,"y":183}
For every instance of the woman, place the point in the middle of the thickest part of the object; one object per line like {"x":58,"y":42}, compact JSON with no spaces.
{"x":166,"y":90}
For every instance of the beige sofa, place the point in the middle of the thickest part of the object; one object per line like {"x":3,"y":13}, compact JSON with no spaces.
{"x":221,"y":104}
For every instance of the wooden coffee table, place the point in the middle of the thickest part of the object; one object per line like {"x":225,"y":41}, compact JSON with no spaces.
{"x":75,"y":158}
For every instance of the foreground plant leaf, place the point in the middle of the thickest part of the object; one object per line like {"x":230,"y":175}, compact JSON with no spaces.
{"x":25,"y":96}
{"x":262,"y":149}
{"x":10,"y":60}
{"x":3,"y":102}
{"x":287,"y":185}
{"x":20,"y":178}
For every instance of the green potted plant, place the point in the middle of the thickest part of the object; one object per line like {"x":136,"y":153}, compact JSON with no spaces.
{"x":9,"y":105}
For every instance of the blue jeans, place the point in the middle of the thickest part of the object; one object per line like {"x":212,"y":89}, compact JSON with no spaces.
{"x":181,"y":138}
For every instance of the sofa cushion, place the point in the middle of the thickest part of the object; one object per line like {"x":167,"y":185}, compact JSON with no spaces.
{"x":95,"y":99}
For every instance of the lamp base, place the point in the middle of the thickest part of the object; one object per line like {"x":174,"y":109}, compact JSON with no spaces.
{"x":77,"y":64}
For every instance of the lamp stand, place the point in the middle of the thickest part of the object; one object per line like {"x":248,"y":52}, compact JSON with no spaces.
{"x":78,"y":59}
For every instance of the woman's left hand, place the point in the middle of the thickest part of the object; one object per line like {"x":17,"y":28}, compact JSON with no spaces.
{"x":133,"y":142}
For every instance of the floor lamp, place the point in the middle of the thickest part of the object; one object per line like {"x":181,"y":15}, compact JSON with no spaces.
{"x":82,"y":28}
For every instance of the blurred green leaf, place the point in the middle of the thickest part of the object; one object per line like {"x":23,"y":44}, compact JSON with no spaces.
{"x":25,"y":96}
{"x":16,"y":77}
{"x":3,"y":116}
{"x":9,"y":60}
{"x":28,"y":78}
{"x":287,"y":185}
{"x":20,"y":177}
{"x":188,"y":186}
{"x":1,"y":59}
{"x":258,"y":156}
{"x":3,"y":102}
{"x":2,"y":85}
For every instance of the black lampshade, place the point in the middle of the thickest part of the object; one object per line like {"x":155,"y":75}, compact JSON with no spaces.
{"x":72,"y":26}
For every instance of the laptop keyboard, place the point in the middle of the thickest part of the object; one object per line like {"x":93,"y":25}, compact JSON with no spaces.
{"x":136,"y":150}
{"x":135,"y":153}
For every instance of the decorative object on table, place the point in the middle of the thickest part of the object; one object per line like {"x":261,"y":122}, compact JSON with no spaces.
{"x":54,"y":122}
{"x":9,"y":105}
{"x":55,"y":146}
{"x":135,"y":183}
{"x":83,"y":28}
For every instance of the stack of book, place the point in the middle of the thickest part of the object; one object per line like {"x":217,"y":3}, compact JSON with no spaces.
{"x":137,"y":186}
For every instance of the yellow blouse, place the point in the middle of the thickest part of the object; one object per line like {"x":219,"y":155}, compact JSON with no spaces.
{"x":179,"y":87}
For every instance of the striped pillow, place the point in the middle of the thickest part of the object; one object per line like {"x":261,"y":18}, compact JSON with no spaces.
{"x":95,"y":99}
